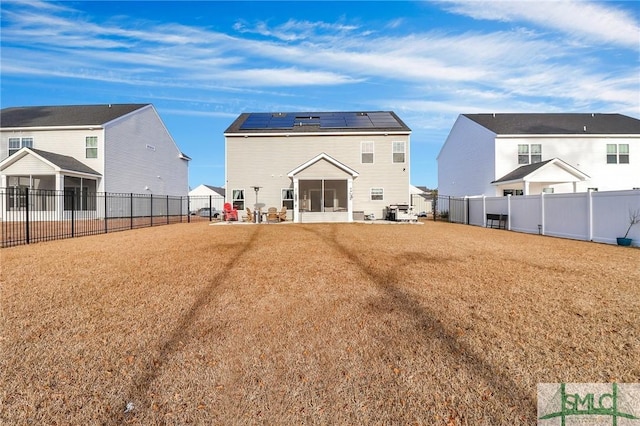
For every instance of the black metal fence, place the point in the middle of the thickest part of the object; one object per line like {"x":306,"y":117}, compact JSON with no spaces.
{"x":32,"y":215}
{"x":450,"y":209}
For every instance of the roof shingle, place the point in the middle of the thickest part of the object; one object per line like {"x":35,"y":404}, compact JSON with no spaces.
{"x":558,"y":124}
{"x":64,"y":115}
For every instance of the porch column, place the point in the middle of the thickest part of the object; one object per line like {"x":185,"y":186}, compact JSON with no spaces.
{"x":575,"y":187}
{"x":350,"y":199}
{"x":296,"y":188}
{"x":3,"y":197}
{"x":526,"y":187}
{"x":60,"y":196}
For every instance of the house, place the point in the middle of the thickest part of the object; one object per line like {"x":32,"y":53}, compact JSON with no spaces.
{"x":206,"y":196}
{"x":421,"y":199}
{"x":521,"y":154}
{"x":122,"y":148}
{"x":321,"y":166}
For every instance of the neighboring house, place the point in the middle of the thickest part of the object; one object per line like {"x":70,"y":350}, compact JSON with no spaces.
{"x":206,"y":196}
{"x":321,"y":166}
{"x":421,"y":199}
{"x":501,"y":154}
{"x":123,"y":148}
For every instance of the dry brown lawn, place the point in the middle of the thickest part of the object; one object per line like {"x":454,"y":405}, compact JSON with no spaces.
{"x":310,"y":324}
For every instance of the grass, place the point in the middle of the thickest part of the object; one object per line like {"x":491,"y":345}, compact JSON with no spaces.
{"x":321,"y":324}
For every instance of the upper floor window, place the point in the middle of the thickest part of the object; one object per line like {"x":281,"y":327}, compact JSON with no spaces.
{"x":366,"y":151}
{"x":91,"y":147}
{"x":16,"y":143}
{"x":617,"y":153}
{"x":529,"y":154}
{"x":399,"y":151}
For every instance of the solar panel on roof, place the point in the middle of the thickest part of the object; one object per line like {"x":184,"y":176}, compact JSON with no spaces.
{"x":325,"y":120}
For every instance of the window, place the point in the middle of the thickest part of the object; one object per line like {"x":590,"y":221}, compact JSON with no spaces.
{"x":16,"y":143}
{"x":529,"y":154}
{"x":366,"y":150}
{"x":398,"y":152}
{"x":91,"y":147}
{"x":238,"y":199}
{"x":287,"y":198}
{"x":617,"y":154}
{"x":512,"y":192}
{"x":377,"y":194}
{"x":536,"y":153}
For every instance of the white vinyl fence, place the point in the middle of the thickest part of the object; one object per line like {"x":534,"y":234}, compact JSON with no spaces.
{"x":590,"y":216}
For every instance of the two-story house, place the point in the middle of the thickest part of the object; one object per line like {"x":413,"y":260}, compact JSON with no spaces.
{"x":501,"y":154}
{"x":122,"y":148}
{"x":321,"y":166}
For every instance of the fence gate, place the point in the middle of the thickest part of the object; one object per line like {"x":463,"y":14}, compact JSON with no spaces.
{"x":451,"y":209}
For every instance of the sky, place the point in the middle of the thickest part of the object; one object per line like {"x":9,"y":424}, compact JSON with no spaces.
{"x":203,"y":63}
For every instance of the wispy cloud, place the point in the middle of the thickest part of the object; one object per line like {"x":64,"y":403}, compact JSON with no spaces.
{"x":293,"y":30}
{"x":596,"y":22}
{"x":489,"y":68}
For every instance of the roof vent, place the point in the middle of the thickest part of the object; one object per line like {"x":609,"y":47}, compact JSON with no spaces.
{"x":584,"y":128}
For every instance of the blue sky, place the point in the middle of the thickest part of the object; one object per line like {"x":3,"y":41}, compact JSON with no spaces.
{"x":202,"y":63}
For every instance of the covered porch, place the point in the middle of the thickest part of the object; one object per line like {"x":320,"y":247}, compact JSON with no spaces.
{"x":51,"y":185}
{"x":544,"y":177}
{"x":322,"y":191}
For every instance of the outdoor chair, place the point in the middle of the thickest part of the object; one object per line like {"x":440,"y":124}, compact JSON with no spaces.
{"x":272,"y":215}
{"x":229,"y":212}
{"x":282,"y":216}
{"x":249,"y":216}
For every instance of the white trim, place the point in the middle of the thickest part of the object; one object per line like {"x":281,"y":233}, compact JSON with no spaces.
{"x":323,"y":156}
{"x":373,"y":151}
{"x":554,"y":162}
{"x":23,"y":152}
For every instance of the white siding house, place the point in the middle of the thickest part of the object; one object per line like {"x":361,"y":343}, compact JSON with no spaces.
{"x":122,"y":148}
{"x":500,"y":154}
{"x":206,"y":196}
{"x":322,"y":166}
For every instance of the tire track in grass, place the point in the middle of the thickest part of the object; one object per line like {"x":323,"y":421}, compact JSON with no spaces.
{"x":169,"y":346}
{"x":505,"y":388}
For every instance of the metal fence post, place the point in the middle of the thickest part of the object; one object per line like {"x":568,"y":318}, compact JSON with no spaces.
{"x":26,"y":222}
{"x":210,"y":208}
{"x":131,"y":209}
{"x":188,"y":209}
{"x":167,"y":209}
{"x":151,"y":208}
{"x":73,"y":209}
{"x":106,"y":225}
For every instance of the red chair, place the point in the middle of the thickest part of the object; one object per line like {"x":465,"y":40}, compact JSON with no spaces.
{"x":229,"y":213}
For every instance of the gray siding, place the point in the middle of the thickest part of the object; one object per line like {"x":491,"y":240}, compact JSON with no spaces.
{"x":266,"y":160}
{"x":141,"y":156}
{"x":466,"y":162}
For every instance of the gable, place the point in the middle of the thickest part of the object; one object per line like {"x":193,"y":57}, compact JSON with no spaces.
{"x":28,"y":165}
{"x":554,"y":170}
{"x":35,"y":161}
{"x":324,"y":170}
{"x":323,"y":166}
